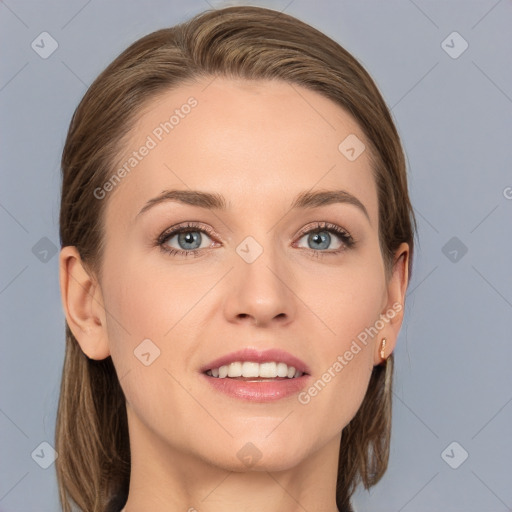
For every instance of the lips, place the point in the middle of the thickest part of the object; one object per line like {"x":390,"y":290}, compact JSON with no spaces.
{"x":257,"y":356}
{"x":257,"y":389}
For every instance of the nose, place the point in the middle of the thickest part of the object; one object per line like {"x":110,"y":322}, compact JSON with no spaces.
{"x":261,"y":293}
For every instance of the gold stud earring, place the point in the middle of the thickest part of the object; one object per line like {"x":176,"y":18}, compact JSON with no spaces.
{"x":382,"y":349}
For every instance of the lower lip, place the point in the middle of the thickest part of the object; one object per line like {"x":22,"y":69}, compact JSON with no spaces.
{"x":264,"y":391}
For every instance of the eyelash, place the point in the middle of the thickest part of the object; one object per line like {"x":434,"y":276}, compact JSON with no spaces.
{"x":346,"y":238}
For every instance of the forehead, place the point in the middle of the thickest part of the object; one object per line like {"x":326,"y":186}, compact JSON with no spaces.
{"x":259,"y":143}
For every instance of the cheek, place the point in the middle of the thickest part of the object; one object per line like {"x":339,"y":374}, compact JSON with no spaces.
{"x":349,"y":308}
{"x":145,"y":313}
{"x":349,"y":302}
{"x":147,"y":301}
{"x":152,"y":308}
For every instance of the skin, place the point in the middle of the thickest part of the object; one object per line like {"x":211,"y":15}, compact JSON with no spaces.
{"x":259,"y":144}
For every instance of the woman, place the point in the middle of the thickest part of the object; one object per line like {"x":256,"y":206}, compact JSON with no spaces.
{"x":237,"y":241}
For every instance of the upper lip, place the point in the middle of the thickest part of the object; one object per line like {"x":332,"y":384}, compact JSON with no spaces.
{"x":258,"y":356}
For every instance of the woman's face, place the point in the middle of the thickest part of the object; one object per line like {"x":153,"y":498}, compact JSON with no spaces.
{"x":257,"y":276}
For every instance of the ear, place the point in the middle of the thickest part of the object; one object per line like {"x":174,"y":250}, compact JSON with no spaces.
{"x":82,"y":301}
{"x":393,"y":312}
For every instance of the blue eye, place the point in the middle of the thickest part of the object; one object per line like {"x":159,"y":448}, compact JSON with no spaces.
{"x":191,"y":237}
{"x":320,"y":238}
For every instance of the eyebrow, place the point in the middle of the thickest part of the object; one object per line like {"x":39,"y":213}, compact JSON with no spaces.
{"x":215,"y":201}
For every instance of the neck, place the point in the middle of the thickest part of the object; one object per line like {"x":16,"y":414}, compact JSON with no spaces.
{"x":166,"y":478}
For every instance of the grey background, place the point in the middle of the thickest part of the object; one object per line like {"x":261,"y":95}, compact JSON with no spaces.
{"x":454,"y":115}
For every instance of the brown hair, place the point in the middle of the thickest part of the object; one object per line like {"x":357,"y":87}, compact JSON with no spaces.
{"x":92,"y":439}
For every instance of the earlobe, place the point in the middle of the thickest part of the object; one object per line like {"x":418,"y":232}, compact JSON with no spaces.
{"x":82,"y":302}
{"x":393,"y":312}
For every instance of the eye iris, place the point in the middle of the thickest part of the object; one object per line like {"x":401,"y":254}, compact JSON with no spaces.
{"x":189,"y":237}
{"x":321,"y":237}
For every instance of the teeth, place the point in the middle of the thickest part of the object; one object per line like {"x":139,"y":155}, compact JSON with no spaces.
{"x":235,"y":369}
{"x":282,"y":370}
{"x":250,"y":369}
{"x":269,"y":370}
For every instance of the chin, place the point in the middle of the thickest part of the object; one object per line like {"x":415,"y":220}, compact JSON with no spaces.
{"x":243,"y":456}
